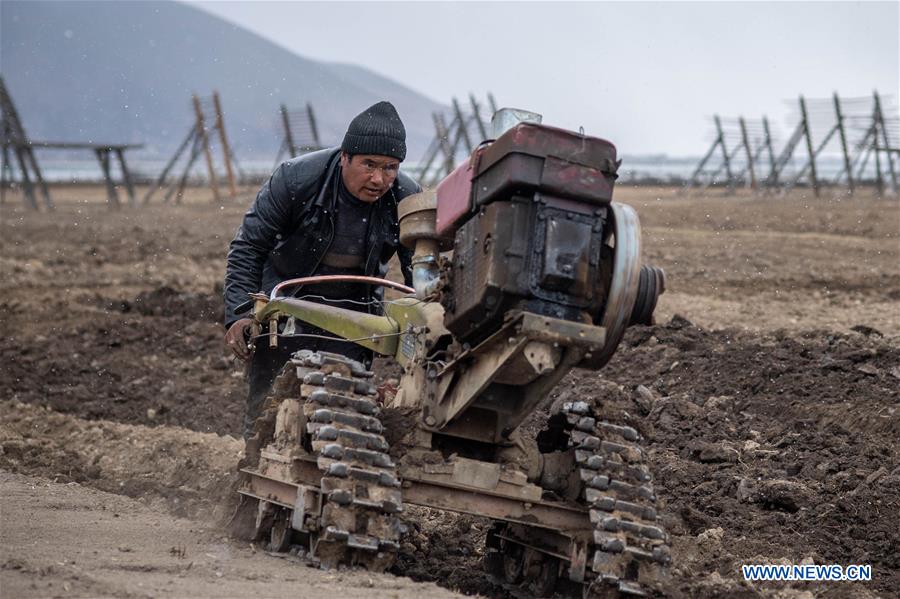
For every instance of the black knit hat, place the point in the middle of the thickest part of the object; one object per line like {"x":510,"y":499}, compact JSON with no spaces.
{"x":376,"y":130}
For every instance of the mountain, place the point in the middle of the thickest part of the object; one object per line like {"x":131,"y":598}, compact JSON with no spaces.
{"x":117,"y":72}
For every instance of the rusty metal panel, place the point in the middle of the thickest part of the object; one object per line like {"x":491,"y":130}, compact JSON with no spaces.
{"x":554,"y":516}
{"x":548,"y":160}
{"x":475,"y":473}
{"x":306,"y":504}
{"x":469,"y":409}
{"x":478,"y":376}
{"x":271,"y":490}
{"x":454,"y":197}
{"x":568,"y":250}
{"x":564,"y":332}
{"x":539,"y":252}
{"x":578,"y":561}
{"x":563,"y":178}
{"x":489,"y":267}
{"x":568,"y":255}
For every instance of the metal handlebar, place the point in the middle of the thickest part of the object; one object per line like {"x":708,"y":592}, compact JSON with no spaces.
{"x":347,"y":278}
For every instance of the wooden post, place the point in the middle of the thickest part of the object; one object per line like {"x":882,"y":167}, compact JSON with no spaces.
{"x":288,"y":135}
{"x":463,"y":130}
{"x":226,"y":149}
{"x":862,"y":149}
{"x":809,"y":147}
{"x":313,"y":128}
{"x":887,"y":144}
{"x":433,"y":148}
{"x":787,"y":153}
{"x":453,"y":140}
{"x":126,"y":175}
{"x":815,"y":152}
{"x":15,"y":134}
{"x":27,"y":188}
{"x":695,"y":176}
{"x":45,"y":192}
{"x":241,"y":174}
{"x":111,"y":195}
{"x":442,"y":133}
{"x":773,"y":173}
{"x":749,"y":152}
{"x":731,"y":156}
{"x":492,"y":104}
{"x":482,"y":130}
{"x":757,"y":156}
{"x":879,"y":176}
{"x":204,"y":140}
{"x":840,"y":125}
{"x":726,"y":160}
{"x":165,"y":172}
{"x":179,"y":190}
{"x":5,"y":168}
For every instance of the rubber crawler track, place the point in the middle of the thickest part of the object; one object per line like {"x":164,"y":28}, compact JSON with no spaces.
{"x":361,"y":495}
{"x":630,"y":549}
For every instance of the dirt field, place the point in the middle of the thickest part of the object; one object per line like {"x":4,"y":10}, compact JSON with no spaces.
{"x":768,"y":396}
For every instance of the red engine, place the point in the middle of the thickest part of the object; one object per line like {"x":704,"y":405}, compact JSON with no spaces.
{"x":528,"y":215}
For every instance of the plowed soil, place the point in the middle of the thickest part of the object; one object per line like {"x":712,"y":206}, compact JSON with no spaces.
{"x":767,"y":395}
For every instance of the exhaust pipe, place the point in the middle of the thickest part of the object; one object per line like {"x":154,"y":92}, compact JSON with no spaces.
{"x":425,"y":269}
{"x":418,"y":231}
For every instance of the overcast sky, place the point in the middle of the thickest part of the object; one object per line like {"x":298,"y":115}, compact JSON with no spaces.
{"x":646,"y":75}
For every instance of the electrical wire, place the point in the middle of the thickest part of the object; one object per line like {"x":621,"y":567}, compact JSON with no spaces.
{"x":328,"y":338}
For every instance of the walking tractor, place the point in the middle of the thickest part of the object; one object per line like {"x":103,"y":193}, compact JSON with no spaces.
{"x":523,"y":269}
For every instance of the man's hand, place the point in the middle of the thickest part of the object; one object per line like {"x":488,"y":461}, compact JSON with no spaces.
{"x":236,"y":337}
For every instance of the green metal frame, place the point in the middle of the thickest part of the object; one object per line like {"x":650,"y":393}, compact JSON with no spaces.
{"x":389,"y":335}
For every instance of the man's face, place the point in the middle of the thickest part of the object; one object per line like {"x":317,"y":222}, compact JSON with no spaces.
{"x":368,"y":176}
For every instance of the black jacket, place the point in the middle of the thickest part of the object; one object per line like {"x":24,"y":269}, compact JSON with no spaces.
{"x":290,"y":225}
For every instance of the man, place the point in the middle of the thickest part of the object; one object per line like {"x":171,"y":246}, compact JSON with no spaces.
{"x":328,"y":212}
